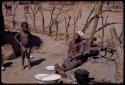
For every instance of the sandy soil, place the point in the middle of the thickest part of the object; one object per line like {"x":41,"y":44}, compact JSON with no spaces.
{"x":42,"y":58}
{"x":52,"y":52}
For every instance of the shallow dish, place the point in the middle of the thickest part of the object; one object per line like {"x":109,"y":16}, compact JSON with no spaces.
{"x":50,"y":68}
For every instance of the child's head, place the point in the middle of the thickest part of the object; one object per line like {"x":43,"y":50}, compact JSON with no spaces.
{"x":24,"y":26}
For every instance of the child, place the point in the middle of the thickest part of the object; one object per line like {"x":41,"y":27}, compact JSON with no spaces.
{"x":24,"y":39}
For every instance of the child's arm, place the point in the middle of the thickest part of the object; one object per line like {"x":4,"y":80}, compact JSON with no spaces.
{"x":30,"y":38}
{"x":16,"y":38}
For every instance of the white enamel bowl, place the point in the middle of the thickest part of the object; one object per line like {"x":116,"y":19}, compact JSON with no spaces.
{"x":47,"y":78}
{"x":50,"y":68}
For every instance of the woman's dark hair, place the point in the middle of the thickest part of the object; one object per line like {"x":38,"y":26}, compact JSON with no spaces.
{"x":78,"y":39}
{"x":24,"y":25}
{"x":94,"y":39}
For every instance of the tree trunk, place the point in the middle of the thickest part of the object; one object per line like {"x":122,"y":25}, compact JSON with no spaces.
{"x":51,"y":20}
{"x":34,"y":22}
{"x":43,"y":23}
{"x":56,"y":29}
{"x":25,"y":16}
{"x":66,"y":35}
{"x":14,"y":17}
{"x":42,"y":16}
{"x":98,"y":10}
{"x":88,"y":21}
{"x":74,"y":25}
{"x":67,"y":24}
{"x":114,"y":34}
{"x":50,"y":30}
{"x":108,"y":4}
{"x":121,"y":37}
{"x":102,"y":32}
{"x":50,"y":26}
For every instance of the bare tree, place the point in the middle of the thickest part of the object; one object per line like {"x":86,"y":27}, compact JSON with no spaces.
{"x":58,"y":19}
{"x":77,"y":15}
{"x":25,"y":16}
{"x":55,"y":17}
{"x":51,"y":19}
{"x":121,"y":37}
{"x":14,"y":14}
{"x":34,"y":10}
{"x":56,"y":22}
{"x":89,"y":20}
{"x":98,"y":10}
{"x":67,"y":24}
{"x":105,"y":25}
{"x":26,"y":10}
{"x":40,"y":7}
{"x":75,"y":22}
{"x":102,"y":30}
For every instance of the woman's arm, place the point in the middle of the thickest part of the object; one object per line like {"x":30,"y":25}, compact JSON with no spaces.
{"x":69,"y":50}
{"x":81,"y":47}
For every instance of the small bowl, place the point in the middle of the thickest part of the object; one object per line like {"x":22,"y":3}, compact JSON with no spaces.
{"x":50,"y":68}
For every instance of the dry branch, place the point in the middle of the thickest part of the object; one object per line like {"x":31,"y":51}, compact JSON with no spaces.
{"x":98,"y":11}
{"x":107,"y":24}
{"x":51,"y":20}
{"x":14,"y":13}
{"x":121,"y":37}
{"x":106,"y":19}
{"x":40,"y":8}
{"x":102,"y":31}
{"x":56,"y":22}
{"x":86,"y":24}
{"x":34,"y":11}
{"x":91,"y":19}
{"x":67,"y":24}
{"x":77,"y":15}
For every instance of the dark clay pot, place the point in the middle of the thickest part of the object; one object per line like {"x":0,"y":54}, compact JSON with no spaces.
{"x":82,"y":76}
{"x":94,"y":52}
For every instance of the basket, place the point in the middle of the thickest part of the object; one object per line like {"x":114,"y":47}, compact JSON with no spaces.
{"x":8,"y":52}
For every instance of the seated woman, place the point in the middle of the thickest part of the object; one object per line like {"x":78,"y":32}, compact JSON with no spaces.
{"x":75,"y":54}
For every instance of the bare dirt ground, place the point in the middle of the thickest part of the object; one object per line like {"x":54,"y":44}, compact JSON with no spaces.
{"x":42,"y":58}
{"x":52,"y":52}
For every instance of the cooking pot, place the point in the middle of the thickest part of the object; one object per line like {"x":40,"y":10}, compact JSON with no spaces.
{"x":82,"y":76}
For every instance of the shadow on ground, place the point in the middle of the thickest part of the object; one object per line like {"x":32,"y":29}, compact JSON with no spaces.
{"x":8,"y":64}
{"x":9,"y":38}
{"x":37,"y":62}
